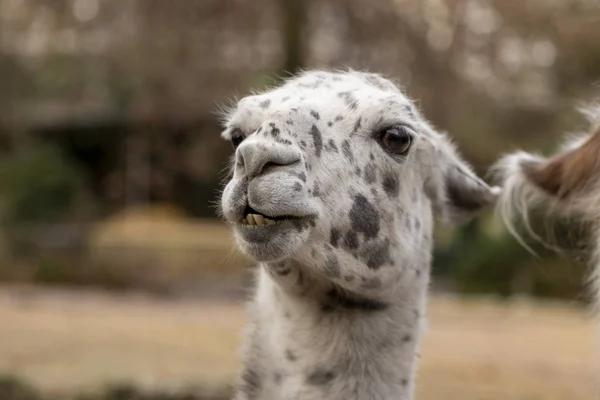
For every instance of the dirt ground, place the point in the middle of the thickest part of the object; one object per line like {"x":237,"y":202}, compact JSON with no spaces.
{"x":474,"y":350}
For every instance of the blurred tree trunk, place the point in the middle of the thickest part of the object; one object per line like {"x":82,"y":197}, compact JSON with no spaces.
{"x":294,"y":20}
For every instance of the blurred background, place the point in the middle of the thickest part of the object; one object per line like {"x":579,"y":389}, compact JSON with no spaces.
{"x":117,"y":281}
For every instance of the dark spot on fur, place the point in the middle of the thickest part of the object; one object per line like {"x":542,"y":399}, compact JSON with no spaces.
{"x":390,"y":185}
{"x":418,"y":272}
{"x":316,"y":190}
{"x":417,"y":224}
{"x":282,"y":268}
{"x":289,"y":122}
{"x":302,"y":143}
{"x":348,"y":278}
{"x":251,"y":383}
{"x":299,"y":175}
{"x":370,"y":173}
{"x":371,"y":283}
{"x":351,"y":240}
{"x":357,"y":125}
{"x":347,"y":151}
{"x":338,"y":299}
{"x":332,"y":266}
{"x":364,"y":217}
{"x":407,"y":338}
{"x":376,"y":253}
{"x":317,"y":139}
{"x":315,"y":114}
{"x":357,"y":171}
{"x":339,"y":118}
{"x":265,"y":104}
{"x":312,"y":85}
{"x":371,"y":156}
{"x":300,"y":279}
{"x":386,"y":343}
{"x":329,"y":123}
{"x":334,"y":237}
{"x":320,"y":377}
{"x":331,"y":146}
{"x":286,"y":98}
{"x":378,"y":82}
{"x":404,"y":382}
{"x":297,"y":187}
{"x":349,"y":100}
{"x":290,"y":355}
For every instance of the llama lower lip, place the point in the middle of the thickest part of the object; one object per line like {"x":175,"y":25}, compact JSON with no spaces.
{"x":265,"y":233}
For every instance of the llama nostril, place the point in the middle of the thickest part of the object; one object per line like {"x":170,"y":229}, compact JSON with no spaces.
{"x":270,"y":165}
{"x":256,"y":158}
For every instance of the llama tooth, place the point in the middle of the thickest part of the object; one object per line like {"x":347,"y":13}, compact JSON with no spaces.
{"x":269,"y":221}
{"x":260,"y":220}
{"x":250,"y":218}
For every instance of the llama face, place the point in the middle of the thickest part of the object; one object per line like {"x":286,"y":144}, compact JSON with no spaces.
{"x":333,"y":163}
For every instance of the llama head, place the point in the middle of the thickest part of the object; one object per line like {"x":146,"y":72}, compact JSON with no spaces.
{"x":341,"y":163}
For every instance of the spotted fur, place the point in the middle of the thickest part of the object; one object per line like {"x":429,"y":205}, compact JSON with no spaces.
{"x":338,"y":309}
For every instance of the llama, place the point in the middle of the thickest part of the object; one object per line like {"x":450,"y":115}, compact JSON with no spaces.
{"x":336,"y":180}
{"x":567,"y":183}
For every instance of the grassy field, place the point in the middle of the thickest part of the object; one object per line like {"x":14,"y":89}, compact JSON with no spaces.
{"x":66,"y":341}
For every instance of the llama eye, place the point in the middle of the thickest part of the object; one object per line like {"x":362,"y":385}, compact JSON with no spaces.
{"x":237,"y":137}
{"x":396,"y":140}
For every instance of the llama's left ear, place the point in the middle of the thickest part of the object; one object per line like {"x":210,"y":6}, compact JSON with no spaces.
{"x":456,"y":192}
{"x":572,"y":174}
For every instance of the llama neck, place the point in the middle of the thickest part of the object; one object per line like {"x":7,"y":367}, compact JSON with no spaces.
{"x":320,"y":340}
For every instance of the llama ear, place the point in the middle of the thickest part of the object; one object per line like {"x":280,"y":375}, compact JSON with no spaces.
{"x":570,"y":174}
{"x":458,"y":193}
